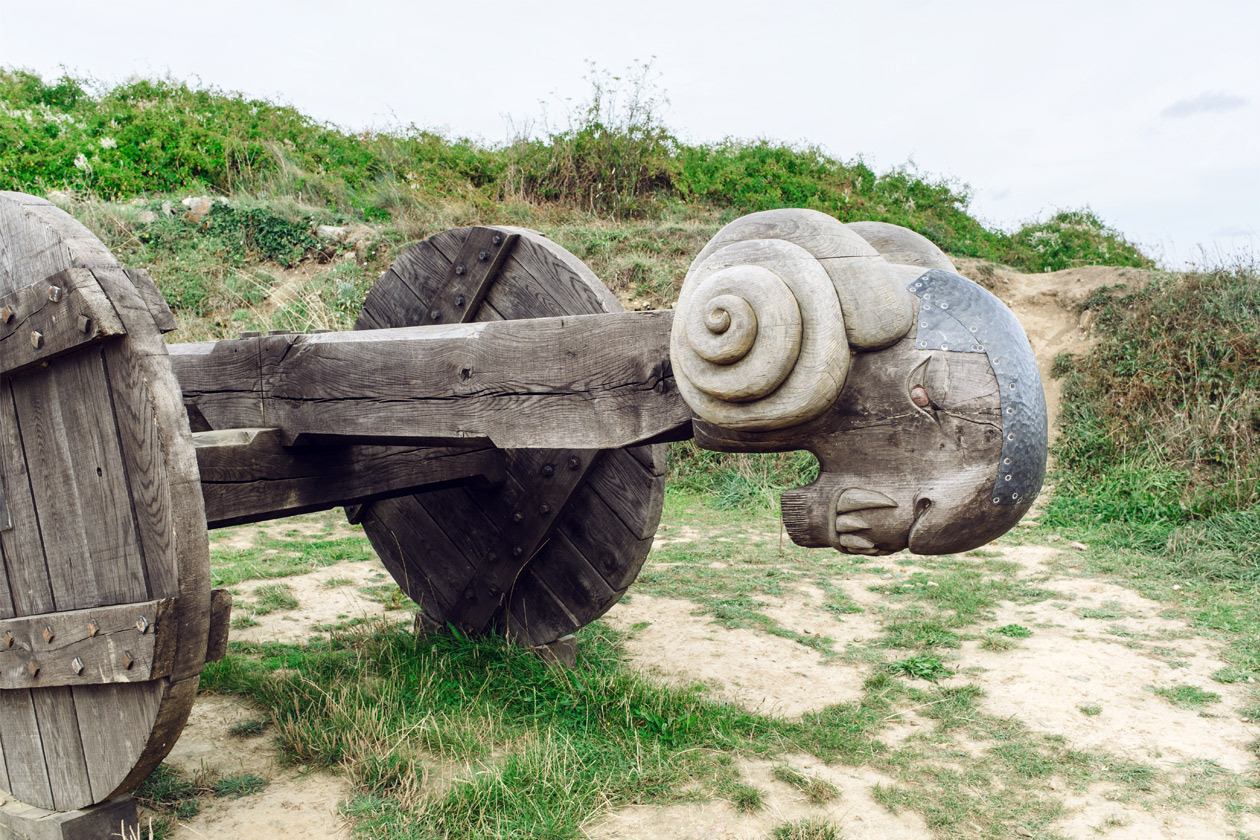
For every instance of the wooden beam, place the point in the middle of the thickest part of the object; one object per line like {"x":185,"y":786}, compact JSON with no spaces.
{"x":124,"y":643}
{"x":576,"y":382}
{"x":248,"y":475}
{"x":52,"y":317}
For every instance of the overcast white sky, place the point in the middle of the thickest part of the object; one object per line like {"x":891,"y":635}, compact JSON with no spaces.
{"x":1149,"y":112}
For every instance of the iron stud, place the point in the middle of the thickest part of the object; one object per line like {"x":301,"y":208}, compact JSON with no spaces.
{"x":574,"y":463}
{"x":518,"y":516}
{"x":77,"y":666}
{"x":37,"y":339}
{"x":32,"y":668}
{"x":483,"y":256}
{"x":49,"y":635}
{"x":85,"y":324}
{"x":8,"y":639}
{"x":517,"y":551}
{"x":435,"y":314}
{"x":548,"y":470}
{"x":142,"y":624}
{"x":459,"y":300}
{"x":6,"y":314}
{"x":54,"y":293}
{"x":93,"y":627}
{"x":498,"y":239}
{"x":128,"y":660}
{"x":544,"y":509}
{"x":459,"y":269}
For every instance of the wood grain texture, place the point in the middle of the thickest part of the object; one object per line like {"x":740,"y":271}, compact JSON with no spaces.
{"x":51,"y":317}
{"x":86,"y":647}
{"x":538,"y":280}
{"x":248,"y":475}
{"x":756,"y":340}
{"x":163,"y":318}
{"x":100,"y":474}
{"x":902,"y":246}
{"x":591,"y":382}
{"x":877,"y":309}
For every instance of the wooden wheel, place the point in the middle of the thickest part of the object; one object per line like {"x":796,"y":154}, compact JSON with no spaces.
{"x":556,"y":544}
{"x":104,"y":592}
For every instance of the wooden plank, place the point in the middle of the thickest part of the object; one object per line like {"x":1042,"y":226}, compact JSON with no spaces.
{"x":567,"y":572}
{"x":63,"y":747}
{"x":470,"y":276}
{"x":85,"y":647}
{"x":205,"y":368}
{"x":587,"y":382}
{"x":51,"y":317}
{"x":108,"y":715}
{"x":603,"y":539}
{"x":535,"y":615}
{"x":220,"y":621}
{"x":163,"y":318}
{"x":248,"y":475}
{"x":634,"y":493}
{"x":23,"y":547}
{"x":77,"y":477}
{"x":23,"y":751}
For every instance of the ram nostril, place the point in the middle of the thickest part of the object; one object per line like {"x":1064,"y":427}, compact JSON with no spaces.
{"x":921,"y":507}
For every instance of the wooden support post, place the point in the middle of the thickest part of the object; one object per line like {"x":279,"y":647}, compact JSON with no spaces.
{"x":578,"y":382}
{"x":113,"y":818}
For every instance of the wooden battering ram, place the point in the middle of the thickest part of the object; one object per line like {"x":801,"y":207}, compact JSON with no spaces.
{"x":495,"y":422}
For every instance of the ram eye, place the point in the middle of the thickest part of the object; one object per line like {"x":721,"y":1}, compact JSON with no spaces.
{"x":928,"y":384}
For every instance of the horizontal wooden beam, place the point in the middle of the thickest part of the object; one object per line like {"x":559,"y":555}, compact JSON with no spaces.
{"x":124,"y":643}
{"x":248,"y":475}
{"x":52,"y":317}
{"x":575,"y":382}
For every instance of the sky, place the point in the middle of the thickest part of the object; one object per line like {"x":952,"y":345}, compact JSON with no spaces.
{"x":1146,"y":112}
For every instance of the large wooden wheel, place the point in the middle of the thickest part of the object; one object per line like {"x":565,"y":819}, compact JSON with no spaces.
{"x":556,"y":544}
{"x":104,"y":591}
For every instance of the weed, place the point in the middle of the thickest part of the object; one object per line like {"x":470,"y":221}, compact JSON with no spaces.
{"x":921,"y":667}
{"x":273,"y":597}
{"x":1187,"y":696}
{"x":1013,"y":631}
{"x":239,"y":785}
{"x":809,"y":828}
{"x":250,"y":728}
{"x":817,"y":790}
{"x":1090,"y":711}
{"x":746,"y":798}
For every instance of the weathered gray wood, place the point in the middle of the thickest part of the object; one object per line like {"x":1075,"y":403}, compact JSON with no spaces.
{"x":163,"y":318}
{"x":248,"y":475}
{"x":591,"y":382}
{"x":51,"y":317}
{"x":85,"y":647}
{"x":96,"y":524}
{"x":538,"y":280}
{"x":115,"y":818}
{"x":902,"y":246}
{"x":220,"y":621}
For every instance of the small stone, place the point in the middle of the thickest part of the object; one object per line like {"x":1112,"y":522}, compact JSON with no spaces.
{"x":332,"y":233}
{"x":932,"y":583}
{"x":1079,"y":546}
{"x":1053,"y":538}
{"x":198,"y":206}
{"x":168,"y":208}
{"x":146,"y":217}
{"x":1078,"y":677}
{"x":1176,"y":586}
{"x":885,"y":577}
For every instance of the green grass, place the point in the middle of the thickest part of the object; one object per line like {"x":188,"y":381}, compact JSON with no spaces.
{"x":809,"y":828}
{"x":816,"y":790}
{"x":1187,"y":696}
{"x":274,"y":597}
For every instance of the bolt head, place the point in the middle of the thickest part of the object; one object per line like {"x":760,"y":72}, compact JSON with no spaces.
{"x":142,"y":624}
{"x":483,"y":256}
{"x":517,"y":551}
{"x":93,"y":627}
{"x":518,"y":516}
{"x":49,"y":635}
{"x":459,"y":300}
{"x":6,"y":314}
{"x":77,"y":666}
{"x":37,"y":339}
{"x":128,"y":660}
{"x":549,"y":470}
{"x":32,"y":668}
{"x":574,"y":463}
{"x":435,"y":314}
{"x":85,"y":324}
{"x":498,"y":239}
{"x":544,"y":509}
{"x":459,"y":269}
{"x":54,"y":293}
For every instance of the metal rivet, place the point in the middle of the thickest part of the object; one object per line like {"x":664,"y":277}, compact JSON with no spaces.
{"x":973,"y":329}
{"x":574,"y":463}
{"x":1010,"y":437}
{"x":1014,"y":495}
{"x":1006,"y":461}
{"x":518,"y":516}
{"x":77,"y":666}
{"x":459,"y":300}
{"x":32,"y":668}
{"x":923,"y":323}
{"x":548,"y":470}
{"x":923,"y":344}
{"x":944,"y":346}
{"x":142,"y":624}
{"x":435,"y":314}
{"x":85,"y":324}
{"x":1012,"y":386}
{"x":498,"y":239}
{"x":54,"y":293}
{"x":1010,"y":411}
{"x":944,"y":306}
{"x":483,"y":256}
{"x":544,"y":509}
{"x":517,"y":551}
{"x":997,"y":501}
{"x":49,"y":635}
{"x":459,"y":269}
{"x":8,"y":639}
{"x":37,"y":339}
{"x":93,"y":627}
{"x":6,"y":314}
{"x":1008,"y":478}
{"x":128,"y":660}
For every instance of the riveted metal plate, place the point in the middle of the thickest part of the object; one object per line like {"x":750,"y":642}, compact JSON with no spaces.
{"x":957,"y":315}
